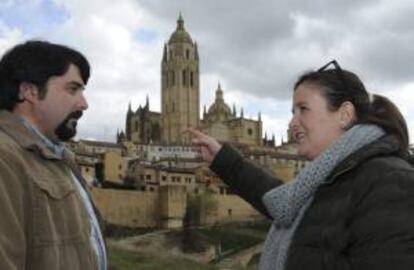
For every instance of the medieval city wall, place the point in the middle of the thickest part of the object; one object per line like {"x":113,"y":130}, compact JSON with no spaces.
{"x":155,"y":209}
{"x":128,"y":208}
{"x":229,"y":208}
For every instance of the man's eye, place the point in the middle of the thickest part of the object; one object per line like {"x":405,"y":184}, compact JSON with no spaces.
{"x":73,"y":89}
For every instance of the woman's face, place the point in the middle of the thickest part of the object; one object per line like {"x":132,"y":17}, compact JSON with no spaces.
{"x":313,"y":125}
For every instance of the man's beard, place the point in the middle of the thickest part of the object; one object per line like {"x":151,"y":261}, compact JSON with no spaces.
{"x":67,"y":129}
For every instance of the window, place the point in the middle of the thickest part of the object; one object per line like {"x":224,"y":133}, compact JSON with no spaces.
{"x":120,"y":167}
{"x":249,"y":131}
{"x":148,"y":177}
{"x":184,"y":77}
{"x":191,"y":79}
{"x":164,"y":178}
{"x":187,"y":53}
{"x":87,"y":169}
{"x":173,"y":78}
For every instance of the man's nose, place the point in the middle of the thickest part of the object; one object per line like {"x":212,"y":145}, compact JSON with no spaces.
{"x":83,"y":104}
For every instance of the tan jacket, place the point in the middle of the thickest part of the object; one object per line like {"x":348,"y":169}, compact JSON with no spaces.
{"x":43,"y":223}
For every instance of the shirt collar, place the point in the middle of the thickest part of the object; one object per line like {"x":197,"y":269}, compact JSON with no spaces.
{"x":55,"y":148}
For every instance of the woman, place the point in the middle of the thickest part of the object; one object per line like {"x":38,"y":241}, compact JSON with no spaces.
{"x":352,"y":207}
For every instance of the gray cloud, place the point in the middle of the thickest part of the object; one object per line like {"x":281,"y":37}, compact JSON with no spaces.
{"x":263,"y":47}
{"x":256,"y":49}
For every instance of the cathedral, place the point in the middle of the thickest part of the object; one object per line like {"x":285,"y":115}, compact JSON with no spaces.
{"x":180,"y":104}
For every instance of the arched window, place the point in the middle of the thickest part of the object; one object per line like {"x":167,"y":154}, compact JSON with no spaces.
{"x":184,"y":77}
{"x":173,"y":77}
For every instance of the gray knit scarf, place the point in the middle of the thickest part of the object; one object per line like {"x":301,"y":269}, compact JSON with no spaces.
{"x":288,"y":203}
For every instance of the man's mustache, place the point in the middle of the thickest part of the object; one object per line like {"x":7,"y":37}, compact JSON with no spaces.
{"x":75,"y":115}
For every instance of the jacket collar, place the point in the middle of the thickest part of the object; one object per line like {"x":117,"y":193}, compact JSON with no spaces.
{"x":386,"y":145}
{"x":13,"y":126}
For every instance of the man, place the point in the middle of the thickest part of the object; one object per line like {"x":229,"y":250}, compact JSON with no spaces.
{"x":48,"y":220}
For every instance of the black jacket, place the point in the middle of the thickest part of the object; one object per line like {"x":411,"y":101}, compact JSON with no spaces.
{"x":363,"y":218}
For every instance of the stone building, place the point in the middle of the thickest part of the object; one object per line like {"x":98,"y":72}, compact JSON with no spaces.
{"x":180,"y":103}
{"x":142,"y":126}
{"x":223,"y":124}
{"x":153,"y":175}
{"x":180,"y":87}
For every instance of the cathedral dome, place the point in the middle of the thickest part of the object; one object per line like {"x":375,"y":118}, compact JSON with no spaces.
{"x":180,"y":35}
{"x":219,"y":110}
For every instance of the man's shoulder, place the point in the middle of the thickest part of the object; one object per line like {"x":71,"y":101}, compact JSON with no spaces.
{"x":9,"y":148}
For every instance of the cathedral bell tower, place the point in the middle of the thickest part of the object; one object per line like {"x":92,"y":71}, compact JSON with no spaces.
{"x":180,"y":91}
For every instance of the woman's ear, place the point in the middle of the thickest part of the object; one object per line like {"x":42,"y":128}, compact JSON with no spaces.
{"x":347,"y":114}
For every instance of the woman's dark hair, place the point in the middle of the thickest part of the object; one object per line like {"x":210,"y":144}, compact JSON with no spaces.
{"x":35,"y":62}
{"x":339,"y":85}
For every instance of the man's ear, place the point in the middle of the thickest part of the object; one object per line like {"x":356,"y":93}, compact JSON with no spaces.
{"x":28,"y":92}
{"x":347,"y":114}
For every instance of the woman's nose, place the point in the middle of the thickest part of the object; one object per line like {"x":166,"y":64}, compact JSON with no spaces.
{"x":293,"y":122}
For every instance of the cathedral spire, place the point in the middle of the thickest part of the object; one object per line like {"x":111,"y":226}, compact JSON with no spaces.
{"x":219,"y":92}
{"x":180,"y":22}
{"x":165,"y":55}
{"x":241,"y":113}
{"x":195,"y":51}
{"x":234,"y":110}
{"x":147,"y":102}
{"x":129,"y":108}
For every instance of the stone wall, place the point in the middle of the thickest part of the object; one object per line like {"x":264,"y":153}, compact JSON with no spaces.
{"x":128,"y":208}
{"x":230,"y":208}
{"x":166,"y":208}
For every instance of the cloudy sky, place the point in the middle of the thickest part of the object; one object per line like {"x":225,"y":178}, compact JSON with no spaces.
{"x":255,"y":49}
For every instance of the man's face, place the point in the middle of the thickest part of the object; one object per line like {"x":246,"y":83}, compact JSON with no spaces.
{"x":58,"y":112}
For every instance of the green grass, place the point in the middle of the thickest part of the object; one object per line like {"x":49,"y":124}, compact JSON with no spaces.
{"x":124,"y":260}
{"x":118,"y":232}
{"x":231,"y":238}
